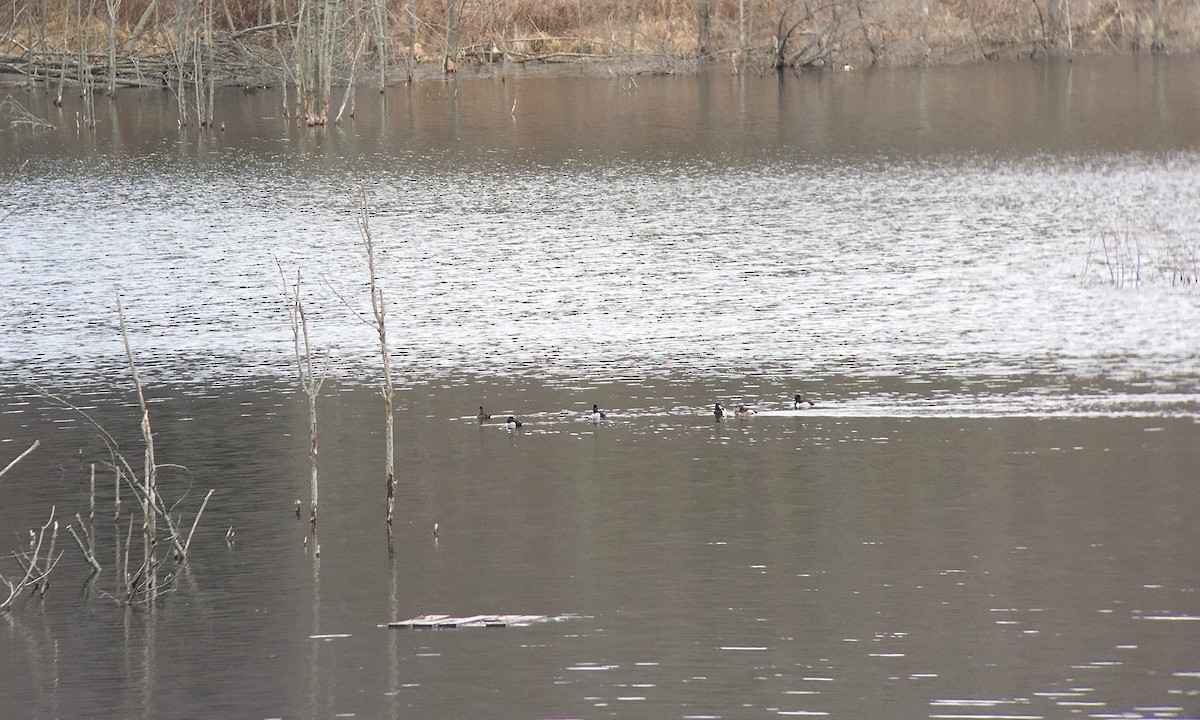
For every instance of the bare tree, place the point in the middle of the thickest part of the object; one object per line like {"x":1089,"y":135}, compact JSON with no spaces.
{"x":633,"y":20}
{"x":309,"y":380}
{"x":816,"y":29}
{"x":379,"y":16}
{"x":149,"y":489}
{"x":1156,"y":44}
{"x":379,"y":310}
{"x":378,"y":323}
{"x":1060,"y":22}
{"x":113,"y":7}
{"x":410,"y":58}
{"x":449,"y":60}
{"x":140,"y":579}
{"x":705,"y":9}
{"x":316,"y":32}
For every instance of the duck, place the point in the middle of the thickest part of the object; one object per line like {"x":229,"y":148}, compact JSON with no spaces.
{"x":482,"y":416}
{"x":744,"y":412}
{"x":799,"y":403}
{"x":513,"y":423}
{"x":597,"y":413}
{"x":718,"y":412}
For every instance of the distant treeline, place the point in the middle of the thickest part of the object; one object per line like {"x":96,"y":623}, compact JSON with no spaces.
{"x":318,"y":44}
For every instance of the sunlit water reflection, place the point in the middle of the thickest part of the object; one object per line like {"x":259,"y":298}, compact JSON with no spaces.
{"x":988,"y":513}
{"x":971,"y":267}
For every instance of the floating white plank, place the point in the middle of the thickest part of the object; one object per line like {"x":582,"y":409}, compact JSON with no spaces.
{"x":446,"y":621}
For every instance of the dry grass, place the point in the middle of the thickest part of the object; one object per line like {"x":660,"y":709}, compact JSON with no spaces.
{"x":888,"y":32}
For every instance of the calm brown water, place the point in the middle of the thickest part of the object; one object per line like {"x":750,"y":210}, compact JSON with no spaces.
{"x":990,"y":512}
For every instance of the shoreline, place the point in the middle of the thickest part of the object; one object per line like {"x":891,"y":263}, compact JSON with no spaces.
{"x":11,"y":74}
{"x":145,"y":45}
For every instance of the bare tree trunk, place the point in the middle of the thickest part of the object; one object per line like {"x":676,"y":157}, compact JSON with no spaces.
{"x":380,"y":13}
{"x":750,"y":22}
{"x":924,"y":10}
{"x":113,"y":7}
{"x":317,"y":23}
{"x":309,"y":382}
{"x":741,"y":26}
{"x":411,"y":57}
{"x":141,"y":25}
{"x":704,"y":13}
{"x":329,"y":24}
{"x":357,"y":12}
{"x":504,"y":41}
{"x":1156,"y":44}
{"x":1070,"y":30}
{"x":866,"y":32}
{"x":149,"y":488}
{"x":312,"y":387}
{"x":379,"y":309}
{"x":1057,"y":10}
{"x":449,"y":59}
{"x":633,"y":20}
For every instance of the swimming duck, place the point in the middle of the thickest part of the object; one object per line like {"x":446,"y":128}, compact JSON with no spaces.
{"x":513,"y":423}
{"x":597,"y":413}
{"x":744,"y":412}
{"x":799,"y":403}
{"x":482,"y":416}
{"x":718,"y":411}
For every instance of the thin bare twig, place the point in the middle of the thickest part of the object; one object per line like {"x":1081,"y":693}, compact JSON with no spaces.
{"x":20,"y":457}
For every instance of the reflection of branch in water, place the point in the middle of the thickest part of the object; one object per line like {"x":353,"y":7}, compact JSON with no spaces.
{"x":16,"y":114}
{"x":314,"y":664}
{"x":40,"y":662}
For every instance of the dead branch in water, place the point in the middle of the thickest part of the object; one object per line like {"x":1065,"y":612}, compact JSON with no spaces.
{"x":16,"y":115}
{"x":310,"y":382}
{"x":149,"y":488}
{"x":1127,"y":258}
{"x":35,"y":563}
{"x":147,"y":581}
{"x":20,"y":457}
{"x":380,"y":310}
{"x":378,"y":322}
{"x":30,"y":564}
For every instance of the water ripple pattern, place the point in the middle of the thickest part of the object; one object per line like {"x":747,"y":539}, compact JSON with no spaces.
{"x":958,"y":267}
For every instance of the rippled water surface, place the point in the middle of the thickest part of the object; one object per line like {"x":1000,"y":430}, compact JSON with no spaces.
{"x":989,"y":512}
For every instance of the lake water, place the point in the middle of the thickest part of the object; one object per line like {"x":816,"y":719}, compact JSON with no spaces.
{"x":990,"y":512}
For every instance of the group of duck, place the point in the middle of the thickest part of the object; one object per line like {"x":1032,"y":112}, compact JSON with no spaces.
{"x":798,"y":403}
{"x":512,"y":423}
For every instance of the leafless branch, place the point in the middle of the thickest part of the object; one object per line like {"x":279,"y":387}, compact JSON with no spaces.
{"x":20,"y":457}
